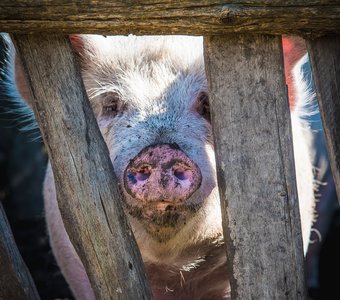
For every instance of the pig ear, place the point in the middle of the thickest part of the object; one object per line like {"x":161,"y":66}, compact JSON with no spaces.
{"x":202,"y":106}
{"x":77,"y":43}
{"x":294,"y":48}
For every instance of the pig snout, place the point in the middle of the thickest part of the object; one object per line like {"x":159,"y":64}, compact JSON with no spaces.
{"x":162,"y":174}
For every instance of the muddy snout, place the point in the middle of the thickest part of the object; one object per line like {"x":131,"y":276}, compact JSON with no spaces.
{"x":162,"y":174}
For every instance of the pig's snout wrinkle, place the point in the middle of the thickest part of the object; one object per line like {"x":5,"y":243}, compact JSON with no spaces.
{"x":162,"y":173}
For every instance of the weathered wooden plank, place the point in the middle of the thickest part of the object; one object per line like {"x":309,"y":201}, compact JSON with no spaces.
{"x":325,"y":59}
{"x":171,"y":17}
{"x":15,"y":280}
{"x":255,"y":166}
{"x":87,"y":190}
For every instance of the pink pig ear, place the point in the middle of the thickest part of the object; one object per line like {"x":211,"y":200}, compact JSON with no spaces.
{"x":294,"y":48}
{"x":77,"y":43}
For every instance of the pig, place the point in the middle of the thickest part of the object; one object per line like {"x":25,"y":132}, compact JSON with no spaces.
{"x":150,"y":98}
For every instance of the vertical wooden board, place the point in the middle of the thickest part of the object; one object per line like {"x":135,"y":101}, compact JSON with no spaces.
{"x":87,"y":190}
{"x":255,"y":165}
{"x":324,"y":54}
{"x":15,"y":279}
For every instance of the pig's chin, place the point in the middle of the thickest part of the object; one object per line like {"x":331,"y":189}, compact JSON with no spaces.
{"x":162,"y":219}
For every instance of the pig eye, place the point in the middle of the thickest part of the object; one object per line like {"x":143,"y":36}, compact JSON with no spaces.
{"x":202,"y":105}
{"x":112,"y":104}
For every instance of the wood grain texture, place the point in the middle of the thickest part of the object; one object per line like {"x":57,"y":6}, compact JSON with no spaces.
{"x":87,"y":190}
{"x":15,"y":279}
{"x":315,"y":17}
{"x":255,"y":166}
{"x":325,"y":59}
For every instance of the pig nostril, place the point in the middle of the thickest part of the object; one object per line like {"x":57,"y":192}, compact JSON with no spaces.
{"x":142,"y":176}
{"x":142,"y":173}
{"x":132,"y":178}
{"x":181,"y":172}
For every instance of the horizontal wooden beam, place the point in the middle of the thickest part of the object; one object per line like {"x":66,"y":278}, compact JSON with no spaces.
{"x":315,"y":17}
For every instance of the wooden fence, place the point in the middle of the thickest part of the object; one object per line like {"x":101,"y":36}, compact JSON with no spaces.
{"x":96,"y":225}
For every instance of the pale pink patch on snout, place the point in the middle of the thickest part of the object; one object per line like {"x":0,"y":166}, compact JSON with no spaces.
{"x":162,"y":175}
